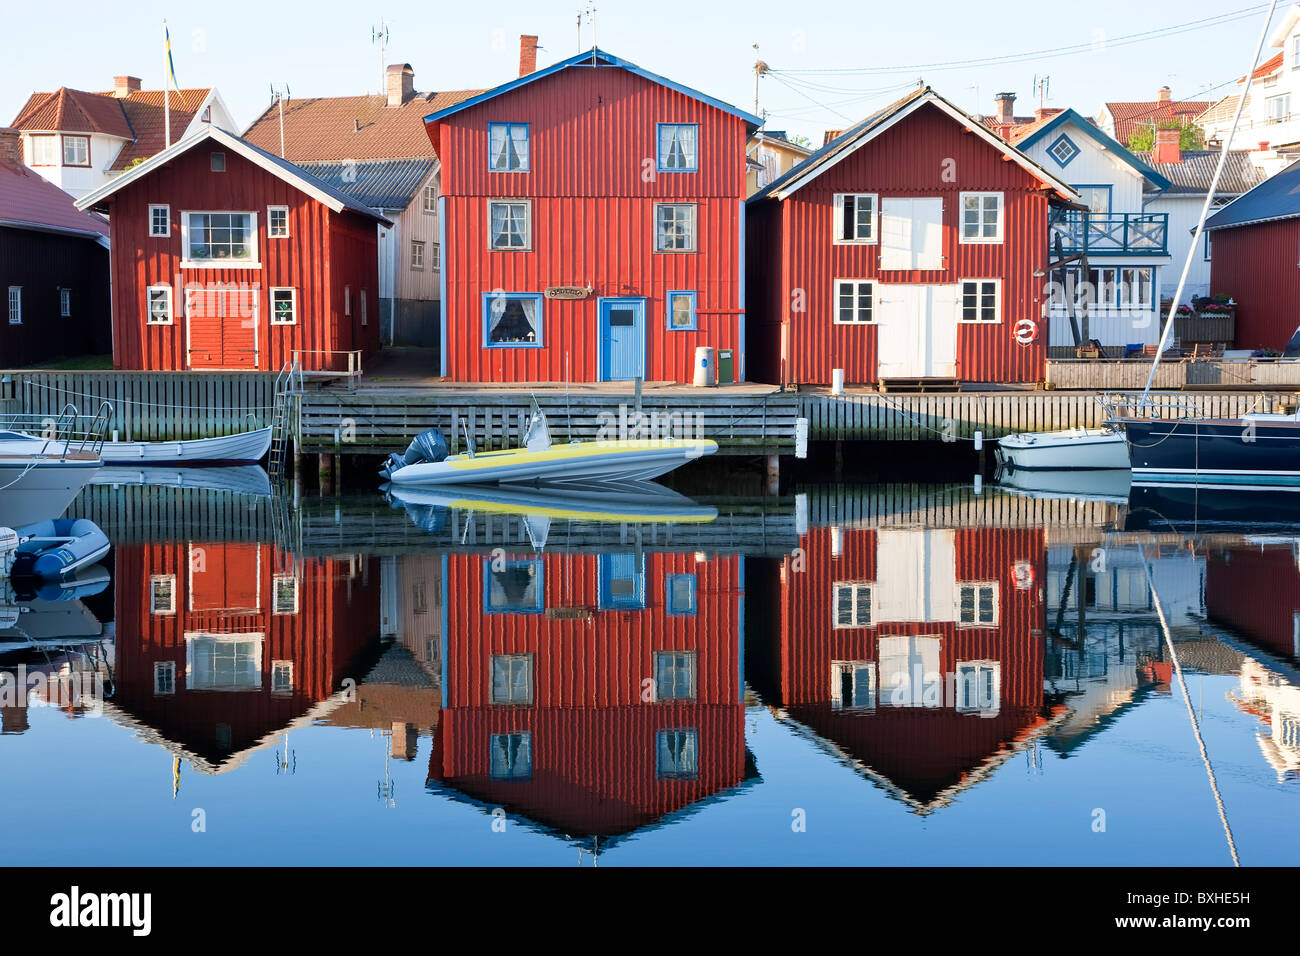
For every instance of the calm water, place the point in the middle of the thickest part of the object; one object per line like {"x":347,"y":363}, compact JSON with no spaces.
{"x":875,"y":674}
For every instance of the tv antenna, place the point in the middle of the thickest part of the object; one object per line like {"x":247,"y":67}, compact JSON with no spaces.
{"x":379,"y":36}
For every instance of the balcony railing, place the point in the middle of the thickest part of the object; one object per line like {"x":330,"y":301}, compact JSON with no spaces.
{"x":1126,"y":234}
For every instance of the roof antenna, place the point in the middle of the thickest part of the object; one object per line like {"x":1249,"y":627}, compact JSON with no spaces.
{"x":379,"y":36}
{"x":278,"y":98}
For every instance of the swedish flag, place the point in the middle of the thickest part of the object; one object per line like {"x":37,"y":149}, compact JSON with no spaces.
{"x":171,"y":67}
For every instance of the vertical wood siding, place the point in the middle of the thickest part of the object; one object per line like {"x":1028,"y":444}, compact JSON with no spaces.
{"x":593,"y":184}
{"x":1256,"y":265}
{"x":42,"y":264}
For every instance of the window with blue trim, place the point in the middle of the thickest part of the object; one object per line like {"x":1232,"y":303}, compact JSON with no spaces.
{"x":512,"y":587}
{"x":675,"y":675}
{"x":511,"y":756}
{"x":512,"y":320}
{"x":677,"y":147}
{"x":1063,"y":150}
{"x":679,"y":594}
{"x":681,"y":311}
{"x":508,"y":147}
{"x":677,"y":754}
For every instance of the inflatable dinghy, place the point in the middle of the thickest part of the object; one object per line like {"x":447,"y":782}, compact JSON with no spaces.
{"x":50,"y":550}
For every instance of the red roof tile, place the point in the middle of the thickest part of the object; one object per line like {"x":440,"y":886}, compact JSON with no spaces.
{"x":1128,"y":116}
{"x":1267,"y":68}
{"x":26,"y":199}
{"x":351,"y":127}
{"x":145,"y":111}
{"x":73,"y":111}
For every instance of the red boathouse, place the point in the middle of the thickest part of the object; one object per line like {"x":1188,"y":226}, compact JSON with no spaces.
{"x":592,"y":216}
{"x":914,"y":245}
{"x":227,"y":257}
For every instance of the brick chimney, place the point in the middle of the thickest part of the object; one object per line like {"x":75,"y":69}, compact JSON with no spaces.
{"x":124,"y":86}
{"x":400,"y":79}
{"x":1167,"y":149}
{"x":527,"y":54}
{"x":1006,"y":108}
{"x":1162,"y":95}
{"x":11,"y":147}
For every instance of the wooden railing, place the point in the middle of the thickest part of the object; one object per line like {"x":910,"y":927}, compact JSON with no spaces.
{"x":1131,"y":233}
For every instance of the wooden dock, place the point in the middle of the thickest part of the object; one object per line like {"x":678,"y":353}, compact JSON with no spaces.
{"x":378,"y":419}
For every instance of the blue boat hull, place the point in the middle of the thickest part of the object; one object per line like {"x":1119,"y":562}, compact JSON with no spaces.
{"x":1233,"y":453}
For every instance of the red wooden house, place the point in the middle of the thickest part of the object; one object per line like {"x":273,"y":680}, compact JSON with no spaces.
{"x":914,"y":245}
{"x":222,"y":644}
{"x":916,"y":653}
{"x":592,"y":693}
{"x":592,"y":216}
{"x":227,"y":257}
{"x":1253,"y":242}
{"x":1256,"y":592}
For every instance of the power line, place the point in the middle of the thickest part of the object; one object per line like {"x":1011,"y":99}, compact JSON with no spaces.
{"x":1125,"y":40}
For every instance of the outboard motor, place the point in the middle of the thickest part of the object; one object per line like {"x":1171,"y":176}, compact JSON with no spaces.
{"x":1292,"y":349}
{"x":427,"y":446}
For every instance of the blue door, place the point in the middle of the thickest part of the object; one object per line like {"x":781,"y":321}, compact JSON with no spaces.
{"x":622,"y":339}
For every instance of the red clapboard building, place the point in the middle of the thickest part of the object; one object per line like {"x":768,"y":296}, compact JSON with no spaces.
{"x":592,"y":216}
{"x":916,"y":653}
{"x":227,"y":257}
{"x":914,"y":245}
{"x":1253,"y":242}
{"x":221,"y":644}
{"x":592,"y":694}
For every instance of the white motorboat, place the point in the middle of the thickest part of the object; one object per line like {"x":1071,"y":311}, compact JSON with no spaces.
{"x":244,"y":448}
{"x":1109,"y":485}
{"x":1091,"y":449}
{"x":426,"y":462}
{"x":36,"y":486}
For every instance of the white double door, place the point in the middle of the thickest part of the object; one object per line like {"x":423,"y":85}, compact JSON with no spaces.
{"x":917,"y":330}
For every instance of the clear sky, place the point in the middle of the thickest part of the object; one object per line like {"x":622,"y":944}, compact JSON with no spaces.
{"x":324,"y":48}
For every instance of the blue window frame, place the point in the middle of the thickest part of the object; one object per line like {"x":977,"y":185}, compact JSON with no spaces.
{"x":512,"y":320}
{"x":681,"y":311}
{"x":677,"y":146}
{"x":508,"y":147}
{"x":622,"y":582}
{"x":513,"y":587}
{"x":679,"y":594}
{"x":1063,"y":150}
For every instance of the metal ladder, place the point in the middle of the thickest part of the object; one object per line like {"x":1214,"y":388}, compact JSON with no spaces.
{"x":287,"y":384}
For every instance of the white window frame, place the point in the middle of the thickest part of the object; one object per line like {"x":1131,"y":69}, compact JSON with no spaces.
{"x":1285,"y":99}
{"x":429,"y":199}
{"x":293,"y":305}
{"x":667,"y":672}
{"x":363,"y":308}
{"x":270,"y":222}
{"x":857,"y":300}
{"x":961,"y":218}
{"x":154,"y":606}
{"x":56,"y":149}
{"x":148,"y":304}
{"x":252,"y":262}
{"x":417,"y":255}
{"x":281,"y":667}
{"x":962,"y":686}
{"x":167,"y":223}
{"x":512,"y":660}
{"x":857,"y":588}
{"x":837,"y":698}
{"x":978,"y":586}
{"x":837,"y":235}
{"x":1295,"y":51}
{"x":979,"y":295}
{"x":75,"y":137}
{"x":528,"y":224}
{"x":435,"y":259}
{"x":15,"y":305}
{"x":693,"y":238}
{"x":65,"y":302}
{"x":276,"y":607}
{"x":161,"y":668}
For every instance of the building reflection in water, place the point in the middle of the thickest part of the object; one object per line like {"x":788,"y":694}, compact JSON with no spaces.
{"x":914,"y":655}
{"x":225,"y":646}
{"x":592,"y":694}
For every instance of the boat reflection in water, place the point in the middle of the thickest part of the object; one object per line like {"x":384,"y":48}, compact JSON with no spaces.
{"x":233,"y":643}
{"x":592,"y":694}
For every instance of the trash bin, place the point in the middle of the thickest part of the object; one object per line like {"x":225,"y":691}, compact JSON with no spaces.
{"x":706,"y":369}
{"x":726,"y":366}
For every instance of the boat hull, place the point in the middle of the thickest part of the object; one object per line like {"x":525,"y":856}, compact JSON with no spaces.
{"x":1078,"y":449}
{"x":581,"y":462}
{"x":1230,"y":452}
{"x":246,"y":448}
{"x":40,"y":492}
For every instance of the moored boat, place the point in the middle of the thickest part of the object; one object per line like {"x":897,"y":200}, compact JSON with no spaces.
{"x":1256,"y":451}
{"x":35,"y":486}
{"x":243,"y":448}
{"x":1074,"y":449}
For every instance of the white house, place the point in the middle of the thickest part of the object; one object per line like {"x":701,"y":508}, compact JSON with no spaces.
{"x":79,"y":140}
{"x":1125,"y":244}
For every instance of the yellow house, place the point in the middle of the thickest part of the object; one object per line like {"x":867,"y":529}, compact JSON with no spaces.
{"x":769,"y":155}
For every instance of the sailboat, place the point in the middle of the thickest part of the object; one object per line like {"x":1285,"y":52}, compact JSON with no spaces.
{"x":1113,"y":444}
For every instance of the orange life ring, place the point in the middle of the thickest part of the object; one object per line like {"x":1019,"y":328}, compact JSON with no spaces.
{"x":1026,"y":331}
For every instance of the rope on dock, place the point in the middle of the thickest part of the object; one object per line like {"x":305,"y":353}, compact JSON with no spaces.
{"x":131,"y":401}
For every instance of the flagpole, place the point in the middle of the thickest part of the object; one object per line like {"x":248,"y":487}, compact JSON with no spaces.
{"x":167,"y":85}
